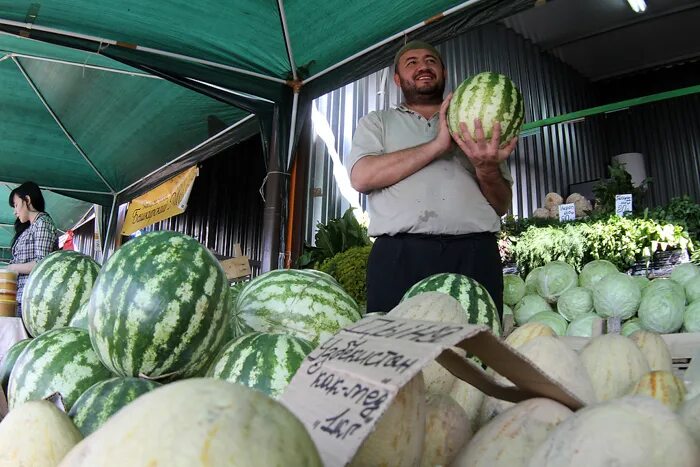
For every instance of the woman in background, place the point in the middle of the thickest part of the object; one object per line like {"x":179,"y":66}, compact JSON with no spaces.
{"x":35,"y":234}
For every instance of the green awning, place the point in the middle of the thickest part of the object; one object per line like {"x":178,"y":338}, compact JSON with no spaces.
{"x":102,"y":99}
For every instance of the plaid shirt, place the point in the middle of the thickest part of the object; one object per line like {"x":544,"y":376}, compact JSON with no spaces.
{"x":40,"y":239}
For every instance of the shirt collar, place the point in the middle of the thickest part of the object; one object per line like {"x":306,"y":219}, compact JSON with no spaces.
{"x":402,"y":107}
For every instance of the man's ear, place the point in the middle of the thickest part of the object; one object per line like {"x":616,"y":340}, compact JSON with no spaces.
{"x":397,"y":80}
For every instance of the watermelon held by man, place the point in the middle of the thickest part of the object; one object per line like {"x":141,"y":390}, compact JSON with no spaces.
{"x":490,"y":97}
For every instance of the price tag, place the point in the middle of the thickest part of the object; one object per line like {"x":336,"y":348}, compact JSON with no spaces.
{"x":623,"y":204}
{"x":567,"y":212}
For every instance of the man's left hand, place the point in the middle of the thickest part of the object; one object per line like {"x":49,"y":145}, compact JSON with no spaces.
{"x":483,"y":154}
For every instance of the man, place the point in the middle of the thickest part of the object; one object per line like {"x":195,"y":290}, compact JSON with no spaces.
{"x":435,"y":199}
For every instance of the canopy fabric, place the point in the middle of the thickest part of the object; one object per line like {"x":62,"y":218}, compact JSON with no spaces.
{"x":103,"y":100}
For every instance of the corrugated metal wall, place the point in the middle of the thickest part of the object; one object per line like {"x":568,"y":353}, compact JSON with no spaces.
{"x":225,"y":206}
{"x":84,"y":238}
{"x":547,"y":161}
{"x":667,"y":133}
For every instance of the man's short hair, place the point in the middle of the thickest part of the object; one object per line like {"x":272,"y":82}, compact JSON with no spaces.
{"x":414,"y":45}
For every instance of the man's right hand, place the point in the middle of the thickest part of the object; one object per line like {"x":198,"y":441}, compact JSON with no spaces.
{"x":443,"y":140}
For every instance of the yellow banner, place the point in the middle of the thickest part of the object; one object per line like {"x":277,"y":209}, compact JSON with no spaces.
{"x":166,"y":200}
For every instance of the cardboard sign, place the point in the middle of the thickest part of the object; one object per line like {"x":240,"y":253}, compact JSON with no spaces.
{"x":567,"y":212}
{"x":623,"y":204}
{"x":345,"y":385}
{"x":238,"y":266}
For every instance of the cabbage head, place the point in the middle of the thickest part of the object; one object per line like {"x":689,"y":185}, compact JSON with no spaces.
{"x":574,"y":302}
{"x":556,"y":278}
{"x":692,"y":290}
{"x":618,"y":296}
{"x":528,"y":307}
{"x":630,"y":326}
{"x":582,"y":325}
{"x":551,"y":319}
{"x":662,"y":311}
{"x":662,"y":283}
{"x":691,"y":317}
{"x":594,"y":271}
{"x":513,"y":289}
{"x":531,"y":281}
{"x":682,"y":273}
{"x":642,"y":281}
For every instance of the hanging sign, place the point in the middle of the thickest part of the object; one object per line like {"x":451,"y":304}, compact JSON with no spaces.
{"x":166,"y":200}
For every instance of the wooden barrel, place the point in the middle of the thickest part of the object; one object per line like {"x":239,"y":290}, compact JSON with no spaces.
{"x":8,"y":308}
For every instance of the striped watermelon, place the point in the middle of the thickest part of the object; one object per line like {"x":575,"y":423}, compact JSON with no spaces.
{"x":297,"y":302}
{"x":261,"y":361}
{"x":475,"y":300}
{"x":60,"y":360}
{"x":104,"y":399}
{"x":8,"y":362}
{"x":159,"y":308}
{"x":56,"y":288}
{"x":80,"y":318}
{"x":237,"y":326}
{"x":490,"y":97}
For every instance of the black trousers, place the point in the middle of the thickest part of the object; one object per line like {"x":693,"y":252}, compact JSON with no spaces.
{"x":398,"y":262}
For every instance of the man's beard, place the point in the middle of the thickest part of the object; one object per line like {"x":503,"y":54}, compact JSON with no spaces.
{"x":425,"y":95}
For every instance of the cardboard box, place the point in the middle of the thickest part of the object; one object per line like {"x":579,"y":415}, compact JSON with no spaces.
{"x":344,"y":386}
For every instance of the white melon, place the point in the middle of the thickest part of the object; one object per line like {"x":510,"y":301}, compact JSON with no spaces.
{"x":633,"y":431}
{"x":654,"y":349}
{"x":470,"y":399}
{"x":36,"y":434}
{"x":690,"y":416}
{"x":510,"y":439}
{"x":440,"y":307}
{"x":198,"y":422}
{"x":528,"y":331}
{"x":663,"y":386}
{"x":614,"y":363}
{"x":447,"y":429}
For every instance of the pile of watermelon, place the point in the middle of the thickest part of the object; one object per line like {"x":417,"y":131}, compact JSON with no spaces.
{"x":160,"y":311}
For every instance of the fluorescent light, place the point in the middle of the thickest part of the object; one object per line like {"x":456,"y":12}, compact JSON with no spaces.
{"x":639,"y":6}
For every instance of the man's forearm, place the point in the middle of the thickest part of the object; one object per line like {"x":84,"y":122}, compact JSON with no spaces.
{"x":496,"y":189}
{"x":377,"y":172}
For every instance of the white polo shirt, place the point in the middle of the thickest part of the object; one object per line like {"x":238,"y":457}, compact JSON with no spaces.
{"x":443,"y":198}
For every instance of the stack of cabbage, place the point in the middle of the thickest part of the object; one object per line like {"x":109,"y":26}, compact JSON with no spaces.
{"x":569,"y":303}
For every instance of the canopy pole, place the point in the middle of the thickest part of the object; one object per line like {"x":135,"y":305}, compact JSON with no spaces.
{"x":29,"y":27}
{"x":84,"y":65}
{"x":292,"y":129}
{"x":185,"y":154}
{"x":60,"y":125}
{"x":287,"y":41}
{"x":426,"y":22}
{"x":272,"y":211}
{"x":108,"y":234}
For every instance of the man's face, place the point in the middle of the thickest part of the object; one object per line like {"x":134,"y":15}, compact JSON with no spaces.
{"x":421,"y":76}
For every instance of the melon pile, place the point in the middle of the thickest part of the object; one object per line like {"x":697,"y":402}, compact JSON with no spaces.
{"x":570,"y":302}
